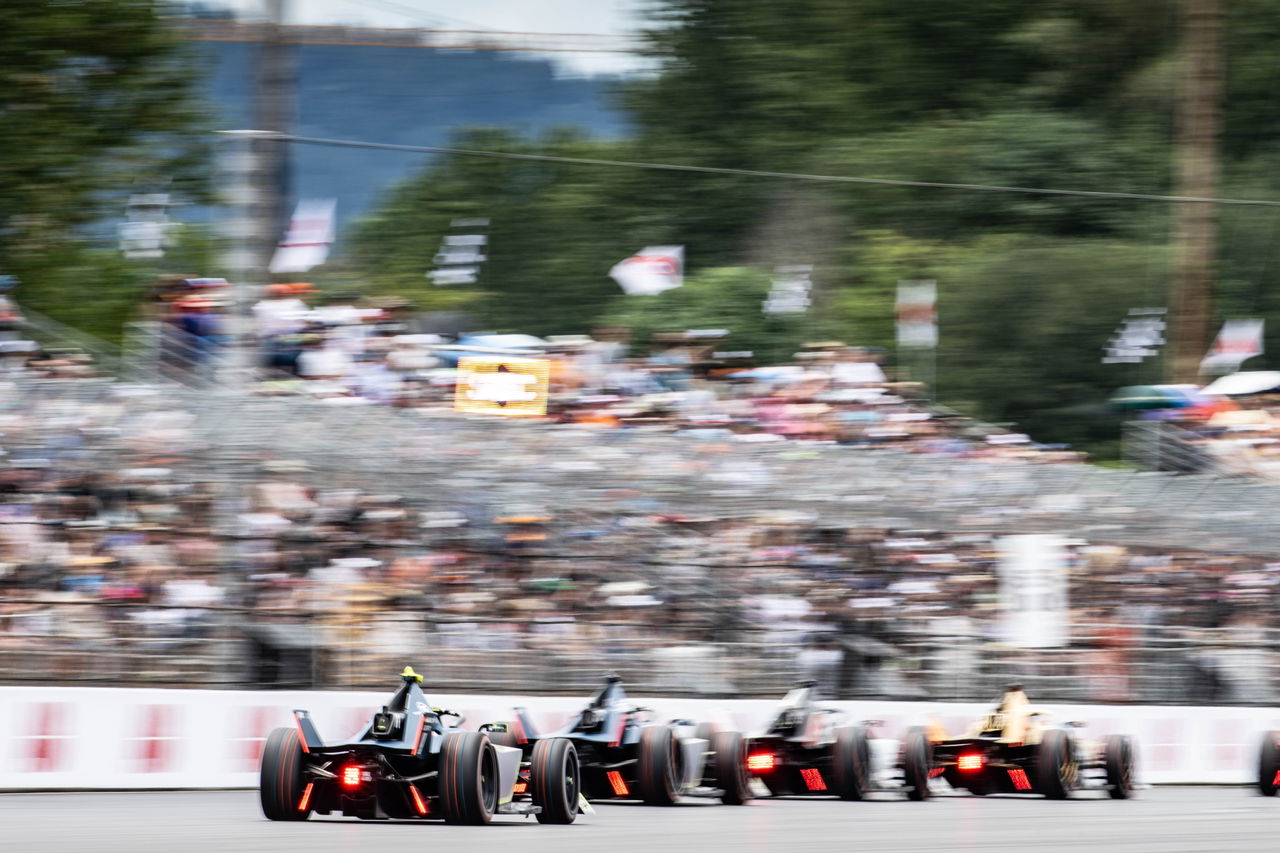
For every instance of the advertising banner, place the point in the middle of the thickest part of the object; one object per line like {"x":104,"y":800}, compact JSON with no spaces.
{"x":1033,"y":591}
{"x":502,"y":386}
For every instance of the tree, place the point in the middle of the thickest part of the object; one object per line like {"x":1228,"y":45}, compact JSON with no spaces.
{"x":95,"y":100}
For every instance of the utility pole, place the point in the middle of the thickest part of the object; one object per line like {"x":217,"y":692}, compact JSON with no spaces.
{"x":256,"y":167}
{"x":1199,"y":123}
{"x":274,"y":113}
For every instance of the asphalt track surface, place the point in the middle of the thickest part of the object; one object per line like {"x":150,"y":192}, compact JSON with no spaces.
{"x":1167,"y":820}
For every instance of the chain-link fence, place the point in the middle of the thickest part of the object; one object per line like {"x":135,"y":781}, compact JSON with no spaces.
{"x":111,"y":644}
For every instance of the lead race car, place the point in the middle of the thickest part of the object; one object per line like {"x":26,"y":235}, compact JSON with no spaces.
{"x":626,"y":753}
{"x":406,"y":763}
{"x":1014,"y":749}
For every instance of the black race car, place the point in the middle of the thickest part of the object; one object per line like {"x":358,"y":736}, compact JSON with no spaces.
{"x":1269,"y":764}
{"x":805,"y":750}
{"x":628,"y":755}
{"x":406,"y":763}
{"x":1013,"y":750}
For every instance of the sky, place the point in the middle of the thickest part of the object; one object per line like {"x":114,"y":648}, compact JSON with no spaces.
{"x":608,"y":17}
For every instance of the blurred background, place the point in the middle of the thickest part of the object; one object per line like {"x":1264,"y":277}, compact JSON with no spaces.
{"x":716,"y":342}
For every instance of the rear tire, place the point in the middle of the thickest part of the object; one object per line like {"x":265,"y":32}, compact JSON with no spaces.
{"x":554,"y":780}
{"x":707,"y":732}
{"x":917,"y":762}
{"x":468,"y":774}
{"x":1117,"y":758}
{"x":280,"y":781}
{"x":1269,"y":764}
{"x":1055,"y":765}
{"x":729,"y":768}
{"x":851,"y":763}
{"x":658,"y":782}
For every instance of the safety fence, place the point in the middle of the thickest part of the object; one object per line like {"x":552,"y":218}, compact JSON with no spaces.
{"x":69,"y":642}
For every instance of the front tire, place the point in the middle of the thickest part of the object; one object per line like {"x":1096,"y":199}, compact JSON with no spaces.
{"x":1117,"y":758}
{"x":468,"y":774}
{"x":851,"y":763}
{"x":1055,"y":765}
{"x":917,"y":762}
{"x":729,"y":768}
{"x":553,"y":780}
{"x":280,"y":781}
{"x":658,"y":785}
{"x":1269,"y":765}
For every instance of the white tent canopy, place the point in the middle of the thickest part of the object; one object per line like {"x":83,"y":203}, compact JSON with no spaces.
{"x":1246,"y":382}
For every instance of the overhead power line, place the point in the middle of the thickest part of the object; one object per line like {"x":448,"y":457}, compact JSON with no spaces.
{"x":431,"y":39}
{"x":760,"y":173}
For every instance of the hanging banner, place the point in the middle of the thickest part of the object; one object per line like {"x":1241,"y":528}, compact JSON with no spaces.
{"x":502,"y":386}
{"x":1238,"y":341}
{"x":460,"y":255}
{"x":1033,"y":591}
{"x":310,"y":234}
{"x":790,"y":292}
{"x":1139,"y":337}
{"x":917,"y":314}
{"x":652,"y":270}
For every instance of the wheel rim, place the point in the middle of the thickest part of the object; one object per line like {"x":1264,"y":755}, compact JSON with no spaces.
{"x":570,"y":782}
{"x":489,"y":782}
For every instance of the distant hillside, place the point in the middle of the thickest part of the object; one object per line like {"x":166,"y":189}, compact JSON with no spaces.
{"x":404,"y":96}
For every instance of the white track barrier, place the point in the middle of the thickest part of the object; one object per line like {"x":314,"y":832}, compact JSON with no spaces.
{"x":104,"y":738}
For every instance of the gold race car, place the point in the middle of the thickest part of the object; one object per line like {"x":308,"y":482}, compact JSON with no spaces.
{"x":1015,"y":749}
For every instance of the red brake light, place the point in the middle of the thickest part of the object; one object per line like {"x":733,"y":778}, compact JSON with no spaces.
{"x":760,"y":762}
{"x":813,"y":779}
{"x":351,"y":776}
{"x":520,"y":788}
{"x":1020,"y":780}
{"x":618,"y":783}
{"x":969,"y":761}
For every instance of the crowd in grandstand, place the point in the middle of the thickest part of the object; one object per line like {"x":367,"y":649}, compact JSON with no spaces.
{"x":111,"y":526}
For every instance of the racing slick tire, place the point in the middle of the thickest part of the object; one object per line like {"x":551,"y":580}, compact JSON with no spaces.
{"x":1269,"y":764}
{"x":1117,"y":761}
{"x":658,"y":781}
{"x":554,"y":780}
{"x":729,"y":768}
{"x":851,"y":763}
{"x":1055,"y":765}
{"x":917,"y":762}
{"x":468,"y":774}
{"x":281,"y":787}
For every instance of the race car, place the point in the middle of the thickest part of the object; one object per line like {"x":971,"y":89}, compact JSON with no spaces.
{"x":406,"y":763}
{"x":1269,"y":764}
{"x":805,"y":750}
{"x":1013,"y":750}
{"x":626,"y":754}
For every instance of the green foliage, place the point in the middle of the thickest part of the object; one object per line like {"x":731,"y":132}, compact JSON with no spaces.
{"x":1076,"y":94}
{"x":725,"y":297}
{"x":95,"y":100}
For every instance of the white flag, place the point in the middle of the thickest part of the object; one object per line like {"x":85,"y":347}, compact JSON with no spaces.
{"x":1239,"y":340}
{"x":652,"y":270}
{"x":310,"y":234}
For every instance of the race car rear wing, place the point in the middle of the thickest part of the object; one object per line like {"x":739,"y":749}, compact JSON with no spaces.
{"x":307,"y":731}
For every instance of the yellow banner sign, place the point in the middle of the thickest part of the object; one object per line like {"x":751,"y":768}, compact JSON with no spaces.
{"x":502,"y":386}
